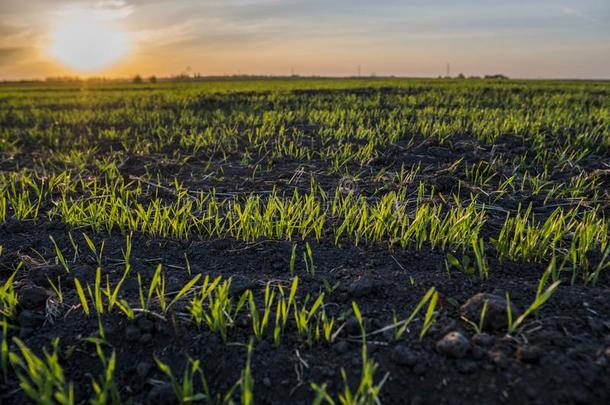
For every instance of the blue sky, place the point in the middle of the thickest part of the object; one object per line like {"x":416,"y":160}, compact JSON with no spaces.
{"x":535,"y":38}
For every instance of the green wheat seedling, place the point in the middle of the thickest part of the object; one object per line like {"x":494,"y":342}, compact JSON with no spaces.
{"x":430,"y":315}
{"x":8,"y":298}
{"x":293,"y":258}
{"x":196,"y":306}
{"x":184,"y":291}
{"x":74,"y":246}
{"x":325,"y":327}
{"x":57,"y":289}
{"x":478,"y":327}
{"x":283,"y":307}
{"x":222,"y":312}
{"x":112,"y":294}
{"x":304,"y":316}
{"x":185,"y":392}
{"x":603,"y":264}
{"x":41,"y":379}
{"x":465,"y":265}
{"x":156,"y":288}
{"x":478,"y":247}
{"x":105,"y":389}
{"x":97,"y":253}
{"x":127,"y":253}
{"x":20,"y":201}
{"x":59,"y":255}
{"x":3,"y":207}
{"x":260,"y":322}
{"x":541,"y":298}
{"x":400,"y":327}
{"x":4,"y":349}
{"x":367,"y":392}
{"x":213,"y":306}
{"x":188,"y":265}
{"x":95,"y":294}
{"x":247,"y":380}
{"x":308,"y":259}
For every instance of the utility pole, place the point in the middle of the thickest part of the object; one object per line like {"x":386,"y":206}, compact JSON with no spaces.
{"x":448,"y":69}
{"x":359,"y":71}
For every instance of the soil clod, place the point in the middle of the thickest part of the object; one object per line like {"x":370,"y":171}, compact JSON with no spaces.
{"x":454,"y":344}
{"x":495,"y":314}
{"x":529,"y":353}
{"x":33,"y":297}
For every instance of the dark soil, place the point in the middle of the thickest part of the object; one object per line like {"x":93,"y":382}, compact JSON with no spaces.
{"x":562,"y":358}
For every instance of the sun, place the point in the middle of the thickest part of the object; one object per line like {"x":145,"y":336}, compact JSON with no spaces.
{"x":88,"y":45}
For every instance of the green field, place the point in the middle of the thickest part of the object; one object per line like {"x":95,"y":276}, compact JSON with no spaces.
{"x":258,"y":218}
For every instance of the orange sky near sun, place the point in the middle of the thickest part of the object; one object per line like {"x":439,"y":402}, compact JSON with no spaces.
{"x":120,"y":38}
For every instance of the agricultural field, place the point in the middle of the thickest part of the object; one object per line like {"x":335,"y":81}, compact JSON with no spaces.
{"x":305,"y":241}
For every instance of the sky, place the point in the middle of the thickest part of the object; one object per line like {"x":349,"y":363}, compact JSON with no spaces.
{"x":518,"y":38}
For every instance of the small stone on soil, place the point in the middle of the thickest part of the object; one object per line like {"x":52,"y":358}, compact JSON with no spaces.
{"x":174,"y":284}
{"x":143,"y":368}
{"x":420,"y":368}
{"x":404,"y":356}
{"x":388,"y":335}
{"x":132,"y":333}
{"x":466,"y":366}
{"x":33,"y":297}
{"x":477,"y":353}
{"x":495,"y":313}
{"x":341,"y":347}
{"x":529,"y":353}
{"x":238,"y":286}
{"x":597,"y":325}
{"x":499,"y":359}
{"x":530,"y":391}
{"x":482,"y":339}
{"x":453,"y":344}
{"x":361,"y":287}
{"x":162,"y":394}
{"x":25,"y":332}
{"x":352,"y":326}
{"x":12,"y":225}
{"x":40,"y":276}
{"x":417,"y":400}
{"x":145,"y":325}
{"x":29,"y":319}
{"x":146,"y":338}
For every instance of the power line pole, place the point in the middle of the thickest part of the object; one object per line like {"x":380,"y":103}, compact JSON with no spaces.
{"x":448,"y":69}
{"x":359,"y":71}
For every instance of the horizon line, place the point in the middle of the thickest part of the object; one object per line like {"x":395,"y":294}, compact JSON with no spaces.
{"x":146,"y":79}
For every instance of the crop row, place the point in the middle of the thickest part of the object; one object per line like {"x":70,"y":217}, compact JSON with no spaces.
{"x":579,"y":237}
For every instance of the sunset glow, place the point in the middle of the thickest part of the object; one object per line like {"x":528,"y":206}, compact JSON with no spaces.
{"x":414,"y":38}
{"x":87,"y":46}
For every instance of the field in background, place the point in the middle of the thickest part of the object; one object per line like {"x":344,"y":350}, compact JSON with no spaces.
{"x":434,"y":239}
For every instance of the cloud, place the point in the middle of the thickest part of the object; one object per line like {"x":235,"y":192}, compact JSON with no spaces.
{"x":12,"y":55}
{"x":576,"y":13}
{"x":211,"y":32}
{"x":105,"y":10}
